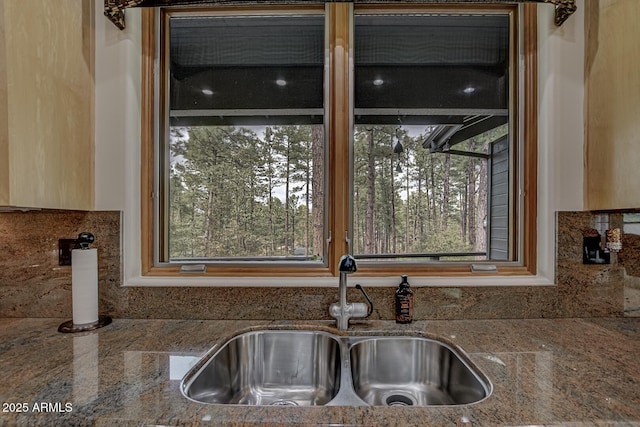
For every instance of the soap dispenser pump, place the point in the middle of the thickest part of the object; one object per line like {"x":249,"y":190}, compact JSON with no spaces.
{"x":404,"y":302}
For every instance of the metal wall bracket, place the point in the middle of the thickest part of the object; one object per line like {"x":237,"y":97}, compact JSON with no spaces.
{"x":114,"y":9}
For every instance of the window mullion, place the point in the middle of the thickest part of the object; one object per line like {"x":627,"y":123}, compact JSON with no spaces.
{"x":340,"y":17}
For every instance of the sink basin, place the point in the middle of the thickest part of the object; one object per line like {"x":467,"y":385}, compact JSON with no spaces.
{"x":412,"y":371}
{"x":314,"y":368}
{"x":286,"y":368}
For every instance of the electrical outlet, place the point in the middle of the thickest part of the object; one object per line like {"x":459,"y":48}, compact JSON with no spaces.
{"x":64,"y":250}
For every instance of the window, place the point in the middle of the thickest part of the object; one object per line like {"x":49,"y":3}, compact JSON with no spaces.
{"x":286,"y":137}
{"x":245,"y":151}
{"x":432,"y":136}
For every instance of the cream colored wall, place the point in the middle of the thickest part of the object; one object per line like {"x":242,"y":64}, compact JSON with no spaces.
{"x":560,"y":126}
{"x":48,"y":56}
{"x":612,"y":149}
{"x":561,"y":112}
{"x":117,"y":109}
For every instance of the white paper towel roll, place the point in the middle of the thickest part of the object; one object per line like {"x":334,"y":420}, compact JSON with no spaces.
{"x":84,"y":286}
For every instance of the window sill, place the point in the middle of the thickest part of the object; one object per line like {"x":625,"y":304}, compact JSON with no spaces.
{"x":310,"y":282}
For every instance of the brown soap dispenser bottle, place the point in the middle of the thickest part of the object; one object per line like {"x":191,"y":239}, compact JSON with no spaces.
{"x":404,"y":302}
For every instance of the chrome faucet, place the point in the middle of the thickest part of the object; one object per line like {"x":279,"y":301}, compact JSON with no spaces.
{"x":342,"y":311}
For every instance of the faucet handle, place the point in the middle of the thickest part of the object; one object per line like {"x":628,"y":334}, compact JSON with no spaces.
{"x":347,"y":264}
{"x":359,"y":286}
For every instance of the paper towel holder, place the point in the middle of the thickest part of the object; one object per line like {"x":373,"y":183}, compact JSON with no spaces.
{"x":69,"y":327}
{"x":84,"y":241}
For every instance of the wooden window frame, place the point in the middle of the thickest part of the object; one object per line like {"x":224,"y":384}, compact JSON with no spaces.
{"x":339,"y":131}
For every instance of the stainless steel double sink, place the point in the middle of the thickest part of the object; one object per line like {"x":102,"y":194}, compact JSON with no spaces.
{"x":311,"y":368}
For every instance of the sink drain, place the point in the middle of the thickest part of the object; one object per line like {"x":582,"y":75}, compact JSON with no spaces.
{"x":284,"y":403}
{"x":397,"y":399}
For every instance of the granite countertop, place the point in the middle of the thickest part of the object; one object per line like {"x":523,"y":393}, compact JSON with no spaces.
{"x":577,"y":372}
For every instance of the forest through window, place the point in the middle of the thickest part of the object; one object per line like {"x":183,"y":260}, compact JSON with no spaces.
{"x":258,"y":192}
{"x":242,"y":192}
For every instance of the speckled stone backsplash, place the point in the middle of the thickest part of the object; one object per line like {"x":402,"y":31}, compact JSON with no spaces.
{"x":33,"y":285}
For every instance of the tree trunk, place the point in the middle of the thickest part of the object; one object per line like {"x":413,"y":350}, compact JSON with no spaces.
{"x":272,"y":231}
{"x":433,"y":221}
{"x":418,"y":228}
{"x":317,"y":194}
{"x":286,"y":196}
{"x":394,"y":236}
{"x":481,"y":231}
{"x":371,"y":189}
{"x":464,"y":212}
{"x":471,"y":221}
{"x":307,"y":201}
{"x":406,"y":219}
{"x":446,"y":191}
{"x":208,"y":221}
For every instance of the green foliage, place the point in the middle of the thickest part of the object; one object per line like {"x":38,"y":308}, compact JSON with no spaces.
{"x":246,"y":192}
{"x":414,"y":210}
{"x":225,"y":190}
